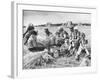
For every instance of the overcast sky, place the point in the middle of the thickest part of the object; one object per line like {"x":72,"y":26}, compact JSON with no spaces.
{"x":42,"y":17}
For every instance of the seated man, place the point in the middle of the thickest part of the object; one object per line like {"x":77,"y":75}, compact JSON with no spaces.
{"x":64,"y":49}
{"x":47,"y":57}
{"x":54,"y":52}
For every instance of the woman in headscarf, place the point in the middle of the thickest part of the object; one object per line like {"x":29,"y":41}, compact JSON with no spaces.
{"x":27,"y":34}
{"x":48,"y":41}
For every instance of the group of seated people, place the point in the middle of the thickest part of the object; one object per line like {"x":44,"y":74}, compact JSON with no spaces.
{"x":61,"y":43}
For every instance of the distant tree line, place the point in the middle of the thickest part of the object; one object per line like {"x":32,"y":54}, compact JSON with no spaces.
{"x":60,"y":24}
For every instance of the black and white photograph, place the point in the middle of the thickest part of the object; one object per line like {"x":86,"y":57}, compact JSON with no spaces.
{"x":56,"y":39}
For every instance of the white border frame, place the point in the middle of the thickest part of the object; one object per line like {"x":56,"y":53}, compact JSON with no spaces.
{"x":17,"y":41}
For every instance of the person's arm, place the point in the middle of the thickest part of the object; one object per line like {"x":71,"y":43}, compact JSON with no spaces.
{"x":25,"y":32}
{"x":69,"y":47}
{"x":28,"y":29}
{"x":87,"y":52}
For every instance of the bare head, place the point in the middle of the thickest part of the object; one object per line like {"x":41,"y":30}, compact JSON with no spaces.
{"x":30,"y":24}
{"x":69,"y":24}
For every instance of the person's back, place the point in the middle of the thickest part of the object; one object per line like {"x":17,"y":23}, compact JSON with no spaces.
{"x":30,"y":27}
{"x":33,"y":39}
{"x":27,"y":34}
